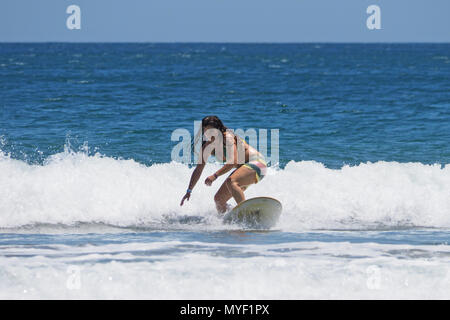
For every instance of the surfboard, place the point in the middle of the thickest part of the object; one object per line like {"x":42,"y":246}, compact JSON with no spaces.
{"x":260,"y":212}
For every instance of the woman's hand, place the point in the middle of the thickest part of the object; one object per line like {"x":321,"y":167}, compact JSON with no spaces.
{"x":186,"y":197}
{"x":210,"y":180}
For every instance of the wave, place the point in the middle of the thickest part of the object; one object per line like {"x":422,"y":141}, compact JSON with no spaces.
{"x":72,"y":188}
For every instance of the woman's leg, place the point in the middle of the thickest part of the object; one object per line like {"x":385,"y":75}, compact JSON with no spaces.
{"x":224,"y":194}
{"x":221,"y":197}
{"x":238,"y":181}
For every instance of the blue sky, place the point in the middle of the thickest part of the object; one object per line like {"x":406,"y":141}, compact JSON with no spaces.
{"x":225,"y":21}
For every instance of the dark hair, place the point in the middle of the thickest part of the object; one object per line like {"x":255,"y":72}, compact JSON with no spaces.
{"x":209,"y":121}
{"x":215,"y":122}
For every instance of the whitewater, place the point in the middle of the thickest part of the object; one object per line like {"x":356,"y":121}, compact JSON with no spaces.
{"x":74,"y":187}
{"x":83,"y":225}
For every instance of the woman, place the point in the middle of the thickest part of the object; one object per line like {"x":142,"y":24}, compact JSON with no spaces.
{"x":249,"y":163}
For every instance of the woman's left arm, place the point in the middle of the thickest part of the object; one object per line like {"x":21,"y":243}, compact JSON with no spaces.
{"x":226,"y":167}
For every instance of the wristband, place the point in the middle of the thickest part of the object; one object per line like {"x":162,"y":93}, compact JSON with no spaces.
{"x":188,"y":190}
{"x":215,"y":175}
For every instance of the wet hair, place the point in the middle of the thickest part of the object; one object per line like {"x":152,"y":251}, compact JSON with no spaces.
{"x":209,"y":121}
{"x":215,"y":122}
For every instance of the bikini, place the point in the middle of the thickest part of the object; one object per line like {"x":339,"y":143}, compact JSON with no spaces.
{"x":259,"y":165}
{"x":256,"y":162}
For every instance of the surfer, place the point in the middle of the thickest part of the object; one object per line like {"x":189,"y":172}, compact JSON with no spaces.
{"x":249,"y":164}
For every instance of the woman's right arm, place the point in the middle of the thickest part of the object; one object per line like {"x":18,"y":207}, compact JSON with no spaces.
{"x":195,"y":176}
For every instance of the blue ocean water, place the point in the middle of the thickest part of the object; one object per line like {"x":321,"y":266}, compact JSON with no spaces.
{"x":89,"y":197}
{"x":333,"y":103}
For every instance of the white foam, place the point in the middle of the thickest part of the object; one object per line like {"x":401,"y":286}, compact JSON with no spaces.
{"x":76,"y":187}
{"x":314,"y":270}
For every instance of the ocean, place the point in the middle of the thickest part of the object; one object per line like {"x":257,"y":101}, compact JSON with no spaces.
{"x":90,"y":194}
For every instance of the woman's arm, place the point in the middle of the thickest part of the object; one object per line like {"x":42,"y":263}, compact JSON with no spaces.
{"x":195,"y":175}
{"x":194,"y":178}
{"x":226,"y":167}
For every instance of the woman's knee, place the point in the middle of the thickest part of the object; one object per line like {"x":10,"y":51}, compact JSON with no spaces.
{"x":218,"y":198}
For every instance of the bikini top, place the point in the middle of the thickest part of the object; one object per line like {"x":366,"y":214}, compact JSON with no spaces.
{"x":233,"y":140}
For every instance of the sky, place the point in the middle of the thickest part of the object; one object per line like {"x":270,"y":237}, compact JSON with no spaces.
{"x":225,"y":21}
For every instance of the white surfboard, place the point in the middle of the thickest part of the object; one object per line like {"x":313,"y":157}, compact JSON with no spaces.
{"x":260,"y":212}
